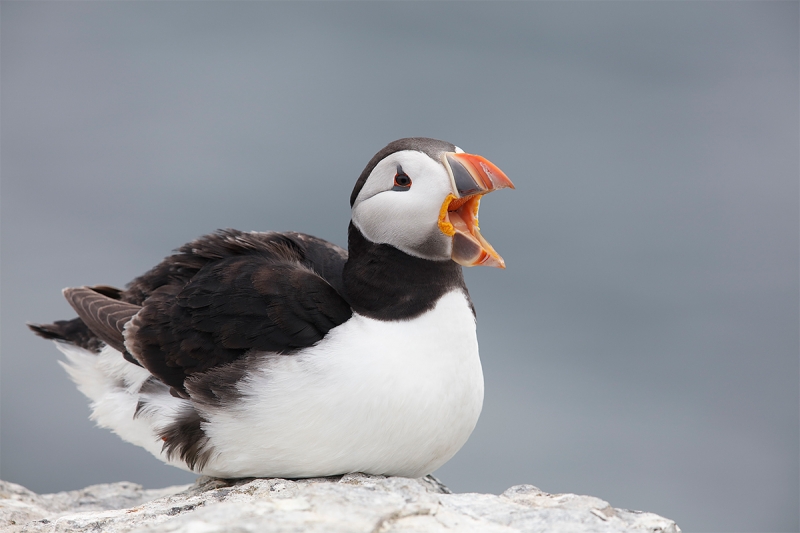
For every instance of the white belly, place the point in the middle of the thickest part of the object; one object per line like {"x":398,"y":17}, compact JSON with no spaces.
{"x":397,"y":398}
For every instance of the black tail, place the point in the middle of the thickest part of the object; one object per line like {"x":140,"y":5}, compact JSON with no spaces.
{"x":72,"y":331}
{"x":76,"y":331}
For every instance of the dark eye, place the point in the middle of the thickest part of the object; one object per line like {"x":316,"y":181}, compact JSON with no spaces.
{"x":401,"y":182}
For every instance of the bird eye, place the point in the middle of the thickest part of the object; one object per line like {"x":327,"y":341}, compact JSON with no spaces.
{"x":401,"y":182}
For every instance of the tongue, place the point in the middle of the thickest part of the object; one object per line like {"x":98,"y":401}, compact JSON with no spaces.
{"x":469,"y":247}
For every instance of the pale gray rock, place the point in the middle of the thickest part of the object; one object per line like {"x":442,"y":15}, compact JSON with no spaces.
{"x":347,"y":504}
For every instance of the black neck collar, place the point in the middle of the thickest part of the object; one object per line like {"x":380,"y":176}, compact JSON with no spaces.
{"x":384,"y":283}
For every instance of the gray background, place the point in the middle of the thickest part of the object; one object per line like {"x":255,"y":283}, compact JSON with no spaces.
{"x":642,"y":345}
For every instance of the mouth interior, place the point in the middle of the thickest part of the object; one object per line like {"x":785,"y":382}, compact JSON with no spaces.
{"x":460,"y":215}
{"x":458,"y":218}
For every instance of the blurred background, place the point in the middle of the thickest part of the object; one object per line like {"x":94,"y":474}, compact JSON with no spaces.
{"x":642,"y":345}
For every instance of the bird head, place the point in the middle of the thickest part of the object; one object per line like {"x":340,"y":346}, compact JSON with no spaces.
{"x":422,"y":197}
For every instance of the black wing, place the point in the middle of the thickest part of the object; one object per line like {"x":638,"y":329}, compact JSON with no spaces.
{"x":216,"y":299}
{"x":231,"y":307}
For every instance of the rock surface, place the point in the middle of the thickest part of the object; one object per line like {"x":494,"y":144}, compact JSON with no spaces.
{"x":350,"y":503}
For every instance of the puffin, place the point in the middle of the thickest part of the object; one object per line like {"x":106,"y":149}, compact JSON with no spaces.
{"x":278,"y":354}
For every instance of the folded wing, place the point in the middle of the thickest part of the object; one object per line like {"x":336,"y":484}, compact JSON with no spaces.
{"x":216,"y":299}
{"x":232,"y":307}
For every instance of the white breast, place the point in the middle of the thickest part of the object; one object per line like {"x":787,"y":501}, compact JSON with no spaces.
{"x":397,"y":398}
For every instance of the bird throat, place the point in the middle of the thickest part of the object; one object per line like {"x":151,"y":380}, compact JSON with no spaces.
{"x":385,"y":283}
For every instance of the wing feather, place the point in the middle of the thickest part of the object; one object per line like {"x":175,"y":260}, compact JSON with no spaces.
{"x":106,"y":317}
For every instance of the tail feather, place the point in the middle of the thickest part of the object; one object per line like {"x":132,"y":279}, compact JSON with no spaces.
{"x":71,"y":331}
{"x":102,"y":318}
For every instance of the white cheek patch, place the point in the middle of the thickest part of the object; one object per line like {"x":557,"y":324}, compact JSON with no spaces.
{"x":381,"y":179}
{"x":407,"y":220}
{"x":386,"y":218}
